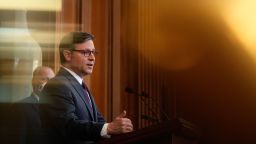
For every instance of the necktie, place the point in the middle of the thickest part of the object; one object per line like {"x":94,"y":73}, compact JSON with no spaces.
{"x":87,"y":98}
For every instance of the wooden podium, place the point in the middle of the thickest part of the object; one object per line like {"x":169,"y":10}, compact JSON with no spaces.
{"x":177,"y":131}
{"x":156,"y":134}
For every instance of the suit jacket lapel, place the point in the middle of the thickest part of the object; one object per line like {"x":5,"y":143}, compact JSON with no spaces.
{"x":78,"y":88}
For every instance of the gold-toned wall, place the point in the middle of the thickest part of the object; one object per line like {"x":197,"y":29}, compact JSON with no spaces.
{"x":207,"y":51}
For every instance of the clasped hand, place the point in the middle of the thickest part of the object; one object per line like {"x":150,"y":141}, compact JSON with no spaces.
{"x":120,"y":125}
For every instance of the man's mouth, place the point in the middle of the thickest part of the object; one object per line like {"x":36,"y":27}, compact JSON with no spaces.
{"x":90,"y":65}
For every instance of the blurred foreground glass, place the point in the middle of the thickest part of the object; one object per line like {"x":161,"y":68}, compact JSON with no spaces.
{"x":20,"y":44}
{"x":19,"y":54}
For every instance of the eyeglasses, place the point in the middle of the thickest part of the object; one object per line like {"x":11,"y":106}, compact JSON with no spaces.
{"x":86,"y":53}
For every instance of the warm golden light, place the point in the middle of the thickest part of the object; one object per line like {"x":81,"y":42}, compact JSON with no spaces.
{"x":240,"y":16}
{"x":37,"y":5}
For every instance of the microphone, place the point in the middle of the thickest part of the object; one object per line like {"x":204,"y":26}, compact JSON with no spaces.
{"x":144,"y":96}
{"x":131,"y":91}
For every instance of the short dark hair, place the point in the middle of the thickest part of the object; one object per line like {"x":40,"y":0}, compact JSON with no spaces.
{"x":68,"y":42}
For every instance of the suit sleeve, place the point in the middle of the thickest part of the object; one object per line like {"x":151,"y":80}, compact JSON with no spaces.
{"x":60,"y":114}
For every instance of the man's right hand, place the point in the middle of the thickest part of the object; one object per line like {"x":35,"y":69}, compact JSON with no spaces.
{"x":120,"y":125}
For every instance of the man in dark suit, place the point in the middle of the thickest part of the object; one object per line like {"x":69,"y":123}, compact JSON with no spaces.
{"x":26,"y":120}
{"x":68,"y":111}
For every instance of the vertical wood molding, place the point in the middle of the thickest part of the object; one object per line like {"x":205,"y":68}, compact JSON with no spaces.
{"x":99,"y":24}
{"x":129,"y":59}
{"x":116,"y":88}
{"x":86,"y":15}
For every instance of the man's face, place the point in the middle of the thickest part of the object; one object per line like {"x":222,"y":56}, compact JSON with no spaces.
{"x":41,"y":78}
{"x":82,"y":58}
{"x":45,"y":75}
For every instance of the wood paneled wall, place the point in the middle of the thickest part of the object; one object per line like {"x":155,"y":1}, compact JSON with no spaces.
{"x":142,"y":80}
{"x":161,"y":59}
{"x":205,"y":74}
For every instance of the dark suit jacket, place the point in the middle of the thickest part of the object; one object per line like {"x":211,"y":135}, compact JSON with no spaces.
{"x":26,"y":124}
{"x":64,"y":112}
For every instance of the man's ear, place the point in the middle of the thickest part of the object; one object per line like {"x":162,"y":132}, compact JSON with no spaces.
{"x":67,"y":55}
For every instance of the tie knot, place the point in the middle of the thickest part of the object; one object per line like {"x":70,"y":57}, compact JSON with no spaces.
{"x":83,"y":85}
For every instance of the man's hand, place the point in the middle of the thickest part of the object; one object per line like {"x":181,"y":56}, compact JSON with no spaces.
{"x":120,"y":125}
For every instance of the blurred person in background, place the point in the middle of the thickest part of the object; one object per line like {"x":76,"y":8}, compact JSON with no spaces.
{"x":26,"y":119}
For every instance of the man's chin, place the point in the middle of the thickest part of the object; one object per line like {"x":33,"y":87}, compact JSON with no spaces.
{"x":88,"y":72}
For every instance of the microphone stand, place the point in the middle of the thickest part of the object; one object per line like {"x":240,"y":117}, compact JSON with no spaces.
{"x":143,"y":96}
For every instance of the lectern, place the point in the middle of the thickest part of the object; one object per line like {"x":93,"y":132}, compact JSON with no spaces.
{"x":176,"y":131}
{"x":156,"y":134}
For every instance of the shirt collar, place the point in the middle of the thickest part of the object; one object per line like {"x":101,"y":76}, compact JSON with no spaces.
{"x":77,"y":77}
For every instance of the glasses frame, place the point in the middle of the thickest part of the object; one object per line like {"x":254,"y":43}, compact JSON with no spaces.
{"x":86,"y":53}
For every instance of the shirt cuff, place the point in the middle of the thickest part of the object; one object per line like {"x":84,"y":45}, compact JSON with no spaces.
{"x":104,"y":132}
